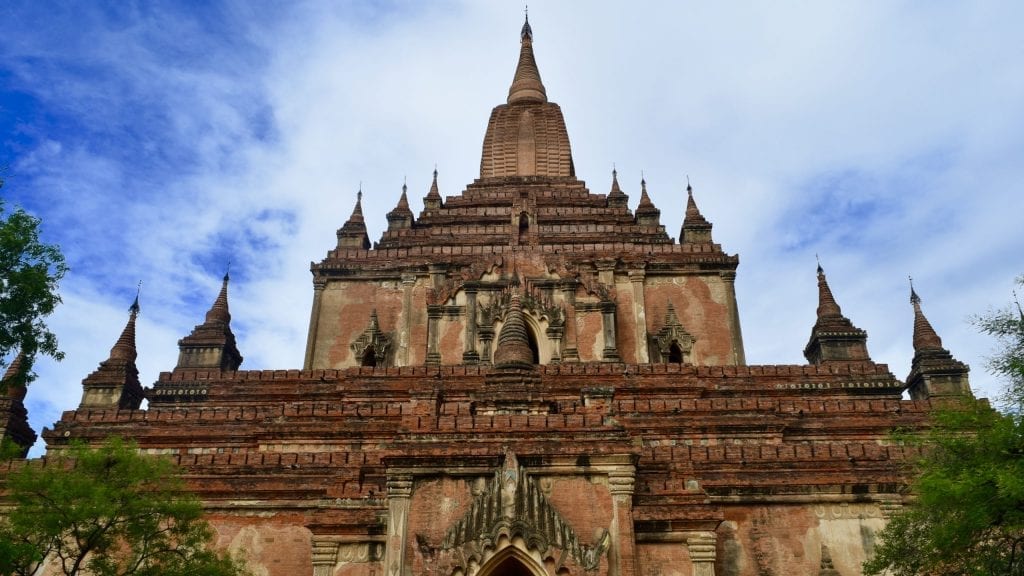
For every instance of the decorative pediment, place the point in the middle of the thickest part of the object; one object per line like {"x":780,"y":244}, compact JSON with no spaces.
{"x":513,"y":506}
{"x":534,"y":302}
{"x":371,"y":347}
{"x":673,"y":342}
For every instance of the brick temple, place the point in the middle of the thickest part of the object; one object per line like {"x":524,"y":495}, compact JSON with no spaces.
{"x":527,"y":379}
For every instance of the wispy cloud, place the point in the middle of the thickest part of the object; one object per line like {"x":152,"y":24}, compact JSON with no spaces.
{"x":160,"y":142}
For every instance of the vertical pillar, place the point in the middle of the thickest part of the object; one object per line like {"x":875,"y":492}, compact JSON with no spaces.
{"x":408,"y":283}
{"x":571,"y":352}
{"x":399,"y":492}
{"x":433,"y":326}
{"x":469,"y":353}
{"x":622,"y":552}
{"x":702,"y":547}
{"x":554,"y":334}
{"x":314,"y":322}
{"x":486,"y":337}
{"x":636,"y":278}
{"x":325,"y":557}
{"x":729,"y":277}
{"x":611,"y":350}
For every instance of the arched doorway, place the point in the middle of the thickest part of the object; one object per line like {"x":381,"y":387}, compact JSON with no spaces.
{"x":511,"y":561}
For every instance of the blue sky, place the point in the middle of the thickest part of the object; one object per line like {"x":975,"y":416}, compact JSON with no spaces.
{"x":159,"y":141}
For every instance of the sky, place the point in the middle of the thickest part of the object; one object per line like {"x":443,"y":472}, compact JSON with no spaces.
{"x":164,"y":142}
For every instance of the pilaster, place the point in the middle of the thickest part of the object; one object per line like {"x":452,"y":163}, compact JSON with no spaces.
{"x":702,"y":547}
{"x":469,"y":353}
{"x":399,"y":493}
{"x":732,"y":308}
{"x":314,"y":322}
{"x":325,"y":556}
{"x":571,"y":350}
{"x":408,"y":284}
{"x":636,"y":278}
{"x":622,"y":553}
{"x":434,"y":312}
{"x":611,"y":349}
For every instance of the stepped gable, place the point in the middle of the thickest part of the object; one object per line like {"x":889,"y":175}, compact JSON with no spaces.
{"x":934,"y":372}
{"x":115,"y":383}
{"x":834,"y":338}
{"x":14,"y":424}
{"x":212,"y":344}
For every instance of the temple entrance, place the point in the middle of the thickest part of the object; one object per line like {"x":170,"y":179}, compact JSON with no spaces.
{"x":511,"y":562}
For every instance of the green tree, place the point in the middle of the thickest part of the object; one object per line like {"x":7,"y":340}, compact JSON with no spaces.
{"x":29,"y":273}
{"x":968,"y":514}
{"x":107,"y":511}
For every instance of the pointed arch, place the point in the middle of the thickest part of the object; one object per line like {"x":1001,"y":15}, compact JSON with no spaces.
{"x":511,"y":561}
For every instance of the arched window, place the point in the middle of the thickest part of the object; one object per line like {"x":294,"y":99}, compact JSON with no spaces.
{"x":675,"y":353}
{"x":369,"y":357}
{"x":524,"y":225}
{"x":533,"y":344}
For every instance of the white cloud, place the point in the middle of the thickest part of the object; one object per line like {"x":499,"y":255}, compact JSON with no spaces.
{"x":884,"y":137}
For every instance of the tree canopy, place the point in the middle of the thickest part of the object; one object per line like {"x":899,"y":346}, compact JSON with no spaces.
{"x":968,"y":515}
{"x":107,"y":511}
{"x":30,"y":271}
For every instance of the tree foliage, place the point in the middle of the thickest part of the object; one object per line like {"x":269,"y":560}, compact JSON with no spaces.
{"x":968,"y":515}
{"x":29,"y":273}
{"x":108,"y":511}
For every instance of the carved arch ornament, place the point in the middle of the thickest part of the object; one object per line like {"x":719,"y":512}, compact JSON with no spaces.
{"x":372,"y":346}
{"x":513,"y":519}
{"x":672,"y":334}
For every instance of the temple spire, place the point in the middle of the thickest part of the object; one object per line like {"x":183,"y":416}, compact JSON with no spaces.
{"x":211,"y":345}
{"x":934,"y":373}
{"x":432,"y":201}
{"x":827,"y":305}
{"x":616,"y":197}
{"x":696,"y":229}
{"x":924,"y":335}
{"x":219,"y":312}
{"x":401,"y":216}
{"x":526,"y":84}
{"x":14,"y":424}
{"x":115,"y":383}
{"x":647,"y":214}
{"x":14,"y":378}
{"x":834,"y":338}
{"x":353,"y":233}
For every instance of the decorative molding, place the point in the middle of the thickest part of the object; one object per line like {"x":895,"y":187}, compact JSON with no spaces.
{"x":672,"y":331}
{"x":514,"y":506}
{"x":372,"y":340}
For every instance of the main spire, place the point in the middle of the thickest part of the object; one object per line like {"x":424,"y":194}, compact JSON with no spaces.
{"x":526,"y":84}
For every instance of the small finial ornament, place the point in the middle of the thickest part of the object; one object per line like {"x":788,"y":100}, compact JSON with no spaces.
{"x":135,"y":308}
{"x":1020,"y":311}
{"x":914,"y":298}
{"x":820,"y":269}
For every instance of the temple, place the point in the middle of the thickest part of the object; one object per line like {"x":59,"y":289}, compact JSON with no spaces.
{"x":529,"y":378}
